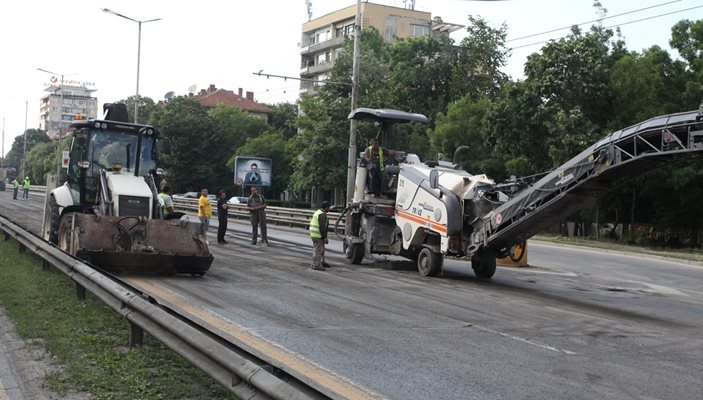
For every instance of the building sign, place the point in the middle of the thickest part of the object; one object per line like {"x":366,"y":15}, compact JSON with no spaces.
{"x":55,"y":80}
{"x":252,"y":171}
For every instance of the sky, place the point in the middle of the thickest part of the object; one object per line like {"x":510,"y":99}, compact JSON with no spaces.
{"x":223,"y":42}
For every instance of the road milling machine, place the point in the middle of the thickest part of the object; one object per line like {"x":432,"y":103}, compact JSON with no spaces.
{"x":108,"y":212}
{"x":426,"y":211}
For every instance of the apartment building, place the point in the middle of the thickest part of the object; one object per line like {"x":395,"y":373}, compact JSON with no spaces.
{"x":323,"y":38}
{"x":56,"y":112}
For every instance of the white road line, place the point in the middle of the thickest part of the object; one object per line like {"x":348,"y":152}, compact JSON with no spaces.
{"x":523,"y":340}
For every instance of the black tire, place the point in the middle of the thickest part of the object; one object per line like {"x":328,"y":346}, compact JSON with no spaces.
{"x":53,"y":209}
{"x":354,"y":253}
{"x":67,"y":239}
{"x":429,"y":263}
{"x":484,"y":264}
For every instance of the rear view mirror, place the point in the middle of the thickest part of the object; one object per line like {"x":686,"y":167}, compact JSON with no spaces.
{"x":434,"y":179}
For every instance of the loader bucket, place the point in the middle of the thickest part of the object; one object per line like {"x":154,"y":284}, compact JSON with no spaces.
{"x":135,"y":245}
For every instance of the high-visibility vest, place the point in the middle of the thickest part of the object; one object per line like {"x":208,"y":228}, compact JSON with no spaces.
{"x":380,"y":155}
{"x":26,"y":184}
{"x":164,"y":196}
{"x":315,"y":225}
{"x":15,"y":184}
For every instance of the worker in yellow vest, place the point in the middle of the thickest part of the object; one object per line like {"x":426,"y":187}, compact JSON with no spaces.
{"x":25,"y":188}
{"x":15,"y":188}
{"x":319,"y":226}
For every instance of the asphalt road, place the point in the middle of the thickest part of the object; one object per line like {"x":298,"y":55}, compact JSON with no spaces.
{"x":576,"y":324}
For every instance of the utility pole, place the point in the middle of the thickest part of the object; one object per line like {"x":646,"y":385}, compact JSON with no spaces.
{"x":2,"y":160}
{"x":351,"y":165}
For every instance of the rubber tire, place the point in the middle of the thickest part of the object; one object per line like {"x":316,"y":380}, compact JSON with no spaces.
{"x":354,"y":253}
{"x":64,"y":236}
{"x":484,"y":264}
{"x":55,"y":220}
{"x":429,"y":263}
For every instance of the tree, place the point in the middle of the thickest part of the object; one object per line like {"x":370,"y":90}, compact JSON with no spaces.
{"x":146,"y":108}
{"x":646,"y":85}
{"x":687,"y":38}
{"x":32,"y":137}
{"x":187,"y":124}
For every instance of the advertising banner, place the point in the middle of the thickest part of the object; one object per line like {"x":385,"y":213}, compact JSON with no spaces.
{"x":252,"y":171}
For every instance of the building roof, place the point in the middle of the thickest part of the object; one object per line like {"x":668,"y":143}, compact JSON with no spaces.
{"x":213,"y":96}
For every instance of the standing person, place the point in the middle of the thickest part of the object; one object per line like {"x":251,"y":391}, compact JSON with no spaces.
{"x":204,"y":213}
{"x":374,"y":154}
{"x":15,"y":188}
{"x":165,"y":196}
{"x":257,"y":208}
{"x":318,"y":233}
{"x":25,"y":188}
{"x":222,"y":207}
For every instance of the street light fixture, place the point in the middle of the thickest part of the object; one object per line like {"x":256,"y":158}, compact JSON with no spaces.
{"x":58,"y":164}
{"x":139,"y":52}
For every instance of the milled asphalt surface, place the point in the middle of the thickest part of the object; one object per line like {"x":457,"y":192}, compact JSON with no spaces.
{"x":577,"y":324}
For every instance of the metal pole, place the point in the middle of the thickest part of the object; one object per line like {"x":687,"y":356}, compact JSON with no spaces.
{"x":2,"y":160}
{"x":351,"y":164}
{"x":58,"y":165}
{"x":139,"y":54}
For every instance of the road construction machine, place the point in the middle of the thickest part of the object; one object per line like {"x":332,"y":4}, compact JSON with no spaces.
{"x":426,"y":211}
{"x":108,"y":212}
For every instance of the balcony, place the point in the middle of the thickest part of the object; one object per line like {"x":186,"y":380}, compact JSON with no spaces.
{"x":307,"y":72}
{"x":318,"y":47}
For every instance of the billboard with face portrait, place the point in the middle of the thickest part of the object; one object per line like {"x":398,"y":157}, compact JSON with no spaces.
{"x":252,"y":171}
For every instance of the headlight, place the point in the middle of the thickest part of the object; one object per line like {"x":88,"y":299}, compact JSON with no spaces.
{"x":84,"y":164}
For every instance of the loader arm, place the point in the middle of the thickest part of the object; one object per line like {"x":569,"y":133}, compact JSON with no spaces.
{"x":623,"y":154}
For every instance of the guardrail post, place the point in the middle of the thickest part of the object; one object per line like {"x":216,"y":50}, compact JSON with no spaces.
{"x":136,"y":335}
{"x":45,"y":265}
{"x":80,"y":292}
{"x":22,"y":248}
{"x":6,"y":236}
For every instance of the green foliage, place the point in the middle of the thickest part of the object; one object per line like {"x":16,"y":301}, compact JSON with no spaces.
{"x":191,"y":130}
{"x":33,"y":137}
{"x":147,"y":107}
{"x":42,"y":160}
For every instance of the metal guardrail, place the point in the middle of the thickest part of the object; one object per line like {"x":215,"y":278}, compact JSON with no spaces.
{"x":243,"y":374}
{"x":292,"y":217}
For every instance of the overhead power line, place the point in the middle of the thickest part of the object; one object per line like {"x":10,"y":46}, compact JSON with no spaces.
{"x":590,"y":22}
{"x":614,"y":26}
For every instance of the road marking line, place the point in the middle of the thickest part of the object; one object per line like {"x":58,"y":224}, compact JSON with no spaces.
{"x":250,"y":341}
{"x":523,"y":340}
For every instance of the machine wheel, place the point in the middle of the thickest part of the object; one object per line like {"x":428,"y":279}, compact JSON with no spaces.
{"x":484,"y":264}
{"x":67,"y":236}
{"x":52,"y":213}
{"x":354,"y":253}
{"x":429,"y":263}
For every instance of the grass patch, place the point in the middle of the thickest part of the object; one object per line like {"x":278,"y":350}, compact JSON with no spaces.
{"x":89,"y":340}
{"x":609,"y":244}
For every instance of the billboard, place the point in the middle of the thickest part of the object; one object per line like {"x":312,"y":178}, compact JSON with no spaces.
{"x":252,"y":171}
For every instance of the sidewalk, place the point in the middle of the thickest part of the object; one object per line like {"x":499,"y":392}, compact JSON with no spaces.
{"x":22,"y":371}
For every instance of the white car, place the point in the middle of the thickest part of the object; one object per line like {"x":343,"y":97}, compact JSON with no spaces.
{"x":237,"y":200}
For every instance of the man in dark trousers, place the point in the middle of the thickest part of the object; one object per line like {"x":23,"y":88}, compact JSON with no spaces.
{"x":318,"y":234}
{"x":257,"y":208}
{"x":222,"y":207}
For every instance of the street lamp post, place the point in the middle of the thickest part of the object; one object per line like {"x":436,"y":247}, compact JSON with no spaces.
{"x":58,"y":164}
{"x":139,"y":52}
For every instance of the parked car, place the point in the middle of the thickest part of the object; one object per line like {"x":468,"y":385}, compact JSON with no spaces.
{"x":192,"y":195}
{"x":211,"y":197}
{"x":237,"y":200}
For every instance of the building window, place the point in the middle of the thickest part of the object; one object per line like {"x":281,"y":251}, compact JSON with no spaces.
{"x":419,"y":30}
